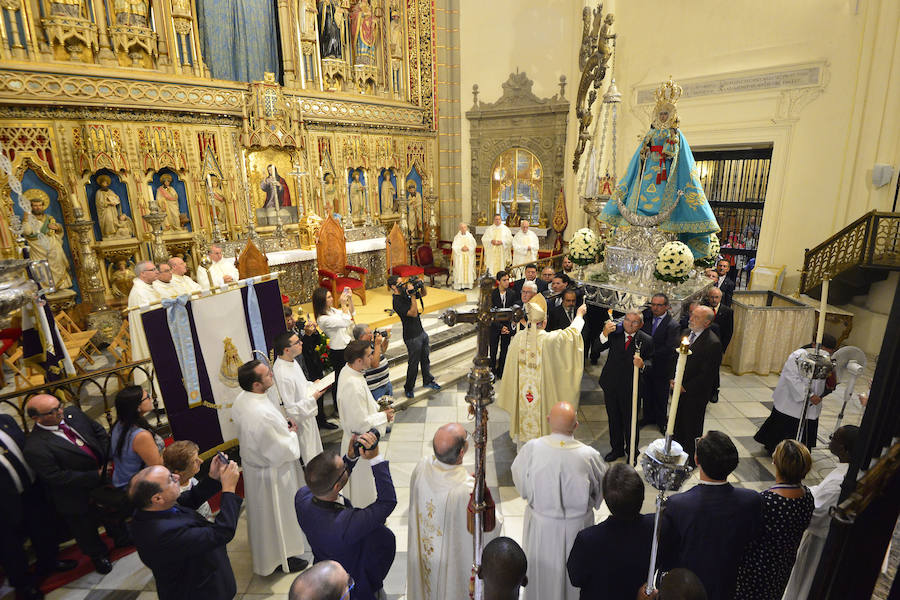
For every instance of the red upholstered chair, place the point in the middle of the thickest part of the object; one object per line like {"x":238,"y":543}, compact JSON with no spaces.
{"x":425,"y":258}
{"x":398,"y":255}
{"x":334,"y":272}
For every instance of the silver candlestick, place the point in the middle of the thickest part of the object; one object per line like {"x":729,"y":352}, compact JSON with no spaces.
{"x":814,"y":364}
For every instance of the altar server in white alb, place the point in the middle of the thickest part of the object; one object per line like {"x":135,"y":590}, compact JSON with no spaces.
{"x":142,"y":292}
{"x":359,"y":414}
{"x":525,"y":247}
{"x":180,"y":279}
{"x":222,"y":270}
{"x":270,"y":458}
{"x":497,"y":242}
{"x":298,"y":393}
{"x":561,"y":480}
{"x":463,"y":259}
{"x":440,"y":548}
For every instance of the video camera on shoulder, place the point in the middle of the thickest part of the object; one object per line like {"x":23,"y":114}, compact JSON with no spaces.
{"x":360,"y":447}
{"x":417,"y":286}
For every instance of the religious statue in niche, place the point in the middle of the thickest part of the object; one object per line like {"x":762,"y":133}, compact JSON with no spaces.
{"x":218,"y":198}
{"x":167,"y":199}
{"x":330,"y":33}
{"x":275,"y":187}
{"x":329,"y":195}
{"x":364,"y":34}
{"x":662,"y":184}
{"x":388,"y":193}
{"x":48,"y":247}
{"x":132,"y":12}
{"x":414,"y":210}
{"x":357,"y":195}
{"x":397,"y":42}
{"x":114,"y":224}
{"x":121,"y":278}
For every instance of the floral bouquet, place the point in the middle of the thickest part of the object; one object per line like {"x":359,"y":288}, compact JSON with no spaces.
{"x":712,"y":254}
{"x":584,"y":247}
{"x":674,"y":263}
{"x":322,"y":349}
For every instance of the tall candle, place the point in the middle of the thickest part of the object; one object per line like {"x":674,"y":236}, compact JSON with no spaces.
{"x":683,"y":351}
{"x":153,"y":206}
{"x":634,"y":410}
{"x":209,"y":195}
{"x":823,"y":308}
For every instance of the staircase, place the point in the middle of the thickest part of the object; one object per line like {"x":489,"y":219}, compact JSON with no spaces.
{"x":854,"y":258}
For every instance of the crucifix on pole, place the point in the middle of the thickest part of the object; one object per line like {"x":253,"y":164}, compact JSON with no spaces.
{"x":481,"y":393}
{"x":299,"y":173}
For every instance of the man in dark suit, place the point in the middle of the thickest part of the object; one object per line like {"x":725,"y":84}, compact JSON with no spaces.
{"x":701,"y":378}
{"x":723,"y":316}
{"x":610,"y":559}
{"x":530,"y":275}
{"x":616,"y":378}
{"x":723,"y":281}
{"x":706,"y":528}
{"x":357,"y":538}
{"x":664,"y":330}
{"x":67,"y":451}
{"x":561,"y":316}
{"x":502,"y":296}
{"x":26,"y":514}
{"x":185,"y":551}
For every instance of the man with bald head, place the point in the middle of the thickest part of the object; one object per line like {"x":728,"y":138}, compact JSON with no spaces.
{"x":438,"y":567}
{"x":185,"y":551}
{"x":221,"y":271}
{"x":561,"y":480}
{"x":326,"y":580}
{"x":67,"y":450}
{"x":180,"y":279}
{"x":701,"y":378}
{"x":142,"y":293}
{"x":723,"y":316}
{"x":525,"y":246}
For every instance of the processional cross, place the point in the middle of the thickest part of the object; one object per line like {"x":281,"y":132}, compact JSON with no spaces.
{"x":481,"y":392}
{"x":299,"y":173}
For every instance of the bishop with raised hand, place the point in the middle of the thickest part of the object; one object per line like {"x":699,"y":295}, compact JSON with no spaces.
{"x":497,"y":241}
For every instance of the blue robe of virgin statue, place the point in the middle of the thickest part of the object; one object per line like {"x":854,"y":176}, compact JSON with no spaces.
{"x":662,"y":177}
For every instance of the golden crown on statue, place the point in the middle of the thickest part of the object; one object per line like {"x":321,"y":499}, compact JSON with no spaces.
{"x":668,"y":92}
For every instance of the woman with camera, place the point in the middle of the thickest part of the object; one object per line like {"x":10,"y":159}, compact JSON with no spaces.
{"x":335,"y":324}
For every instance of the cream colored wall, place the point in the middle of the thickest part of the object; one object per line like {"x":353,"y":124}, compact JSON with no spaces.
{"x":539,"y":37}
{"x":824,"y":143}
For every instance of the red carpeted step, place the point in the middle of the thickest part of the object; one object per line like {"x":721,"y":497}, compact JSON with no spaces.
{"x":84,"y":567}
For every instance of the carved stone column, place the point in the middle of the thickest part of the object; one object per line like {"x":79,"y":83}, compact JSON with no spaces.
{"x":105,"y":55}
{"x":288,"y":48}
{"x":89,"y":274}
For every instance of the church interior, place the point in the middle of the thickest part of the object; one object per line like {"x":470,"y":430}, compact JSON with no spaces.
{"x":333,"y":144}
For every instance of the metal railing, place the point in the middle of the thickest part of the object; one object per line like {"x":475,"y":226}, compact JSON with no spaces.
{"x":872,"y":241}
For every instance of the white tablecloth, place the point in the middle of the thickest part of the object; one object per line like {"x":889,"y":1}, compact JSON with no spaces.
{"x":291,"y":256}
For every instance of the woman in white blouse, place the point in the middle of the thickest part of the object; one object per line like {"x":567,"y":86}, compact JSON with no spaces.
{"x":336,"y":325}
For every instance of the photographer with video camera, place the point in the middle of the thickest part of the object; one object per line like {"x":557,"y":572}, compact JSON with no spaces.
{"x":354,"y":535}
{"x":414,"y":336}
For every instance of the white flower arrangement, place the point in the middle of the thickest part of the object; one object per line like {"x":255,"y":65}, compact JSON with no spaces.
{"x":674,"y":263}
{"x":584,"y":247}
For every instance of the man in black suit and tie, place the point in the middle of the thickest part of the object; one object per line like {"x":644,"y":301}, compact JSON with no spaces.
{"x":502,"y":296}
{"x":664,"y":330}
{"x":67,"y":451}
{"x":701,"y":378}
{"x":707,"y":528}
{"x":561,"y":316}
{"x":616,"y":378}
{"x":185,"y":551}
{"x":530,"y":275}
{"x":723,"y":281}
{"x":26,"y":514}
{"x":357,"y":538}
{"x":723,"y":316}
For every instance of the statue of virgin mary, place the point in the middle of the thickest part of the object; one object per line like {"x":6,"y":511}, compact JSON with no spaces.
{"x":662,"y":184}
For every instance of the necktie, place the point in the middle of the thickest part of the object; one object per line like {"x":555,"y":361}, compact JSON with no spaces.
{"x":570,"y":315}
{"x":21,"y":470}
{"x":628,"y":342}
{"x":656,"y":321}
{"x":692,"y":338}
{"x":70,"y":434}
{"x":715,"y":310}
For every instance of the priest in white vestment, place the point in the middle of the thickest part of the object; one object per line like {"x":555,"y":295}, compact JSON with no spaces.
{"x":163,"y":283}
{"x":298,"y":394}
{"x":463,"y":259}
{"x":222,"y":270}
{"x":142,"y":292}
{"x":561,"y":481}
{"x":541,"y":368}
{"x":525,"y":247}
{"x":825,"y":495}
{"x":359,"y":414}
{"x":440,"y":548}
{"x":270,"y":459}
{"x":497,"y":241}
{"x":180,"y":279}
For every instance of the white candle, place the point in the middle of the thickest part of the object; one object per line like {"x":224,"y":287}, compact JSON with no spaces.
{"x":212,"y":200}
{"x":823,"y":308}
{"x":152,"y":205}
{"x":634,"y":404}
{"x":683,"y":351}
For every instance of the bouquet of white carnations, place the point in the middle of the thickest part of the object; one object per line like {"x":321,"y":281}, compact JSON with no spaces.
{"x":712,"y":253}
{"x":584,"y":247}
{"x":674,"y":263}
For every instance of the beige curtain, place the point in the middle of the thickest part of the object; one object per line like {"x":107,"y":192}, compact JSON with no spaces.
{"x":767,"y":328}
